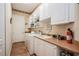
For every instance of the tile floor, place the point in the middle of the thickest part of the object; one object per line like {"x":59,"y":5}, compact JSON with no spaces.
{"x":19,"y":49}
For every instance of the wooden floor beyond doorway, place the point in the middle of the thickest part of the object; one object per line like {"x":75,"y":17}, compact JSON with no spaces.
{"x":19,"y":49}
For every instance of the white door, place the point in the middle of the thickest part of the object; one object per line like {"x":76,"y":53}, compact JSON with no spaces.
{"x":18,"y":25}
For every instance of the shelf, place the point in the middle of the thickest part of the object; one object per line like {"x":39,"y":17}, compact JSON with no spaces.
{"x":63,"y":22}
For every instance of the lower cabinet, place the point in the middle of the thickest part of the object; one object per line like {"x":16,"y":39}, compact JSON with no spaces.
{"x":51,"y":50}
{"x":30,"y":43}
{"x":43,"y":48}
{"x":27,"y":41}
{"x":40,"y":47}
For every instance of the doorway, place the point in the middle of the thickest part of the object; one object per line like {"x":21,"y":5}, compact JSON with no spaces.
{"x":18,"y":28}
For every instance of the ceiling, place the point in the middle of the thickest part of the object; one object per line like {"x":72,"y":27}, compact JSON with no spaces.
{"x":25,"y":7}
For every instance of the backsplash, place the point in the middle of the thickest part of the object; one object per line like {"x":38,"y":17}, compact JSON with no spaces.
{"x":57,"y":29}
{"x":61,"y":29}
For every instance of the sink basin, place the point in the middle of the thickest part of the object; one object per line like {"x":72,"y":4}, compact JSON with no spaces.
{"x":45,"y":36}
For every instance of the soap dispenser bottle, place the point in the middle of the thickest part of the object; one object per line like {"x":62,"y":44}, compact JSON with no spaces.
{"x":69,"y":35}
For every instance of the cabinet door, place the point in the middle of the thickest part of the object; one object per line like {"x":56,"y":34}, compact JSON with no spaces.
{"x":43,"y":48}
{"x":27,"y":41}
{"x":31,"y":45}
{"x":36,"y":45}
{"x":39,"y":47}
{"x":58,"y":12}
{"x":51,"y":50}
{"x":73,"y":11}
{"x":44,"y":11}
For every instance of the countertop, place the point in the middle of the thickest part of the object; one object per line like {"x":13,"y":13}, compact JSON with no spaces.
{"x":60,"y":43}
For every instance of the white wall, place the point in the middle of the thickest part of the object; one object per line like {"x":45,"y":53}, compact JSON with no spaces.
{"x":2,"y":28}
{"x":8,"y":29}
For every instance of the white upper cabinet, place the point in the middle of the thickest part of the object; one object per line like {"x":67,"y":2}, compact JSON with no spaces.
{"x":73,"y":11}
{"x":58,"y":12}
{"x":44,"y":11}
{"x":63,"y":13}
